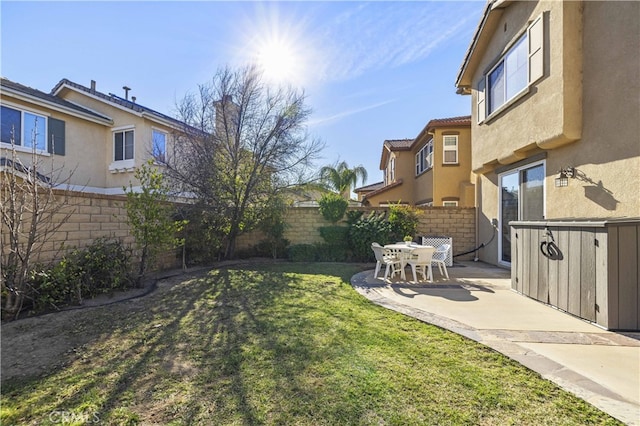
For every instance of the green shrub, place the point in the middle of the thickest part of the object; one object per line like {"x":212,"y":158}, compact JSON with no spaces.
{"x":100,"y":268}
{"x":273,"y":225}
{"x":203,"y":235}
{"x":330,"y":253}
{"x":333,"y":206}
{"x":403,"y":220}
{"x":353,"y":216}
{"x":302,"y":253}
{"x":366,"y":230}
{"x":335,"y":235}
{"x":264,"y":248}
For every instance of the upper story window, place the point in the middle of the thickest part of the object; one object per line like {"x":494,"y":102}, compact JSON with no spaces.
{"x":30,"y":130}
{"x":123,"y":145}
{"x":424,"y":158}
{"x":450,"y":149}
{"x":449,"y":204}
{"x":159,"y":145}
{"x":509,"y":76}
{"x":390,"y":172}
{"x":23,"y":128}
{"x":520,"y":66}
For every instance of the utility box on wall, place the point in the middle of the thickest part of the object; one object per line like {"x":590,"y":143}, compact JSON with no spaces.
{"x":588,"y":268}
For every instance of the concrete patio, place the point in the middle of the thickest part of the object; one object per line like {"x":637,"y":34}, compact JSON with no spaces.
{"x":599,"y":366}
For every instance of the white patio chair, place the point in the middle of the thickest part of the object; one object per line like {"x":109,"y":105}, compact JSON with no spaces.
{"x":421,"y":260}
{"x":384,"y":256}
{"x":440,"y":258}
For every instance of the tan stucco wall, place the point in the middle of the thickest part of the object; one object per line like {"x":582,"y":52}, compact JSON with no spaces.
{"x":83,"y":147}
{"x":403,"y":170}
{"x":423,"y":187}
{"x":115,"y":180}
{"x":437,"y":183}
{"x":548,"y":114}
{"x":607,"y":152}
{"x":450,"y":178}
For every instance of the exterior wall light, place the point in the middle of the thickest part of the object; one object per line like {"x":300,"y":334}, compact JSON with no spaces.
{"x":565,"y":174}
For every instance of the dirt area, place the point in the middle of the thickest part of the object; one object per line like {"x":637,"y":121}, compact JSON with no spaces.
{"x":36,"y":345}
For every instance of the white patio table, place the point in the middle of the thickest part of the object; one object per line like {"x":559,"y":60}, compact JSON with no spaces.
{"x":404,"y":253}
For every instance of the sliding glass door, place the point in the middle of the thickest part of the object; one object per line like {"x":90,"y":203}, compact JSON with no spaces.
{"x":521,"y":198}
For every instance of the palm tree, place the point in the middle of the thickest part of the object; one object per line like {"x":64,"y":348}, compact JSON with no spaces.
{"x":342,"y":178}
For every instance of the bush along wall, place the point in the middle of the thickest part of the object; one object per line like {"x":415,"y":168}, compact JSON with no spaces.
{"x":304,"y":223}
{"x":353,"y":242}
{"x":368,"y":229}
{"x":101,"y":268}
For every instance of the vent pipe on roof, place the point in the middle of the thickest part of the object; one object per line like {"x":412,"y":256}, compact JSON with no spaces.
{"x":93,"y":86}
{"x":133,"y":99}
{"x":126,"y":92}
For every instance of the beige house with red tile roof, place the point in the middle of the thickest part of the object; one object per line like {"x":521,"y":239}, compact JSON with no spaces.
{"x":434,"y":169}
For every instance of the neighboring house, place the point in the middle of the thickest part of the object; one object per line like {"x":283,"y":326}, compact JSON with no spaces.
{"x":431,"y":170}
{"x":363,"y":191}
{"x":100,"y":138}
{"x":555,"y":93}
{"x":397,"y":166}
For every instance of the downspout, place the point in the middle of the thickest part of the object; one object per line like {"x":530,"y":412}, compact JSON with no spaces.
{"x":476,"y":190}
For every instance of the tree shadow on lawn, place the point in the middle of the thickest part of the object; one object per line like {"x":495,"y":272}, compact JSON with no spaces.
{"x":191,"y":351}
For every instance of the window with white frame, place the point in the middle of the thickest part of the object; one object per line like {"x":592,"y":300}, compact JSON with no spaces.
{"x":450,"y":149}
{"x":449,"y":204}
{"x":391,"y":171}
{"x":23,"y":128}
{"x":159,"y":145}
{"x":424,"y":158}
{"x":509,"y":76}
{"x":123,"y":144}
{"x":521,"y":198}
{"x":520,"y":66}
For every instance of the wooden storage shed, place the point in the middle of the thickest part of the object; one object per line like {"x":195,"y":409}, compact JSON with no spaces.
{"x":588,"y":268}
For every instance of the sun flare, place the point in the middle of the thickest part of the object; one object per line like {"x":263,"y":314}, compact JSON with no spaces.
{"x":278,"y":62}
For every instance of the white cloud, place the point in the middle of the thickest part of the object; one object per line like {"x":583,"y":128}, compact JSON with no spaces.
{"x":339,"y":116}
{"x":373,"y":36}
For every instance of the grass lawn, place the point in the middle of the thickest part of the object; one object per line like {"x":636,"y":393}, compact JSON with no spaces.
{"x":286,"y":344}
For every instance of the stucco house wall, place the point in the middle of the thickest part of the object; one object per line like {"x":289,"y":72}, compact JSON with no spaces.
{"x":115,"y":177}
{"x":436,"y":184}
{"x":452,"y":180}
{"x":582,"y":113}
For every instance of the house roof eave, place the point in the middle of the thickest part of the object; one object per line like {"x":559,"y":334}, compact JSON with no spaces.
{"x":369,"y":188}
{"x":381,"y":190}
{"x":36,"y":97}
{"x":486,"y":27}
{"x":122,"y":104}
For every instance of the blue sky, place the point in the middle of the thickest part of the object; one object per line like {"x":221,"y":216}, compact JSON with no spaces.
{"x":370,"y":70}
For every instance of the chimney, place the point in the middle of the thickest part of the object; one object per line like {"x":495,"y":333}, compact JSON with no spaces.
{"x":93,"y":86}
{"x":126,"y":92}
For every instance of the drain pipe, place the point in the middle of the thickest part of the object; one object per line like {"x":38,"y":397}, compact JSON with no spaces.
{"x":476,"y":190}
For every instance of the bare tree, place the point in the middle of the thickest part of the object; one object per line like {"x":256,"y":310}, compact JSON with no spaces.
{"x":31,"y":212}
{"x":245,"y":141}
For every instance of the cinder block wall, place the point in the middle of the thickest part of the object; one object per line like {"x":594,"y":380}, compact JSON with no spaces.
{"x":303,"y":223}
{"x":86,"y":218}
{"x":93,"y":216}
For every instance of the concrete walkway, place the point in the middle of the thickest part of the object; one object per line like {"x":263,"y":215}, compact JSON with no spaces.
{"x":598,"y":366}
